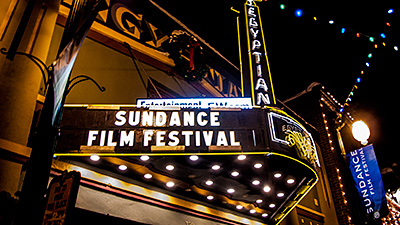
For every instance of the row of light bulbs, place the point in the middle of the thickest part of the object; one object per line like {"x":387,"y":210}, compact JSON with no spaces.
{"x":255,"y":182}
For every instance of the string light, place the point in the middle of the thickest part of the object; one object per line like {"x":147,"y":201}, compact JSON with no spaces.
{"x":298,"y":12}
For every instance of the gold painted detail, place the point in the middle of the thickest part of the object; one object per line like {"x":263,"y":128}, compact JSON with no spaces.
{"x":303,"y":145}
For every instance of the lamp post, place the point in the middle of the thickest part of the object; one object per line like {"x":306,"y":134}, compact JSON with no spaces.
{"x":360,"y":132}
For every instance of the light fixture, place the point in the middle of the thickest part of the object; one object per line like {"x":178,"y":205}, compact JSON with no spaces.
{"x":239,"y":207}
{"x":277,"y":175}
{"x":194,"y":157}
{"x":241,"y":157}
{"x":170,"y":167}
{"x":122,"y":167}
{"x":331,"y":22}
{"x":144,"y":157}
{"x":148,"y":176}
{"x":360,"y":132}
{"x":252,"y":211}
{"x":264,"y":215}
{"x":230,"y":190}
{"x":272,"y":205}
{"x":216,"y":167}
{"x":257,"y":165}
{"x":259,"y":201}
{"x":95,"y":158}
{"x":170,"y":184}
{"x":255,"y":182}
{"x":290,"y":181}
{"x":209,"y":182}
{"x":235,"y":173}
{"x":280,"y":195}
{"x":210,"y":197}
{"x":267,"y":188}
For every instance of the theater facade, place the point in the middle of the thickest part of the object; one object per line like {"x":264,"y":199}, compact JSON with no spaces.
{"x":168,"y":131}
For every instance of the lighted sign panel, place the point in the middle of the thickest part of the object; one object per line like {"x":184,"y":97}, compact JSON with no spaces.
{"x":256,"y":76}
{"x":139,"y":130}
{"x":167,"y":130}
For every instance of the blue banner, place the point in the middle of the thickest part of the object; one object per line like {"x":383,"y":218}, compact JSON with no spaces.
{"x":368,"y":180}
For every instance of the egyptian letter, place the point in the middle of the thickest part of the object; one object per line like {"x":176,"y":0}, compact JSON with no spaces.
{"x":258,"y":57}
{"x":253,"y":23}
{"x":256,"y":44}
{"x":263,"y":98}
{"x":261,"y":84}
{"x":254,"y":33}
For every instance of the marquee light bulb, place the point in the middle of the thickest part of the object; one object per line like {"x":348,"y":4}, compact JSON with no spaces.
{"x":95,"y":158}
{"x":122,"y":167}
{"x":148,"y":176}
{"x":290,"y":181}
{"x":360,"y":131}
{"x":170,"y":184}
{"x":252,"y":211}
{"x":215,"y":167}
{"x":241,"y":157}
{"x":343,"y":30}
{"x":370,"y":55}
{"x":194,"y":157}
{"x":390,"y":11}
{"x":383,"y":35}
{"x":267,"y":188}
{"x":282,"y":6}
{"x":230,"y":190}
{"x":170,"y":167}
{"x":144,"y":157}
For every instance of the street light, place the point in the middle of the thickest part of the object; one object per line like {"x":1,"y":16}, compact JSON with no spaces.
{"x":360,"y":131}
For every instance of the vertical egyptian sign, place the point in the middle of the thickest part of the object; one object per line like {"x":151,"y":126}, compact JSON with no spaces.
{"x":256,"y":76}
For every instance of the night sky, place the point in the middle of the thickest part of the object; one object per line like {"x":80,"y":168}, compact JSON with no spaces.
{"x":302,"y":50}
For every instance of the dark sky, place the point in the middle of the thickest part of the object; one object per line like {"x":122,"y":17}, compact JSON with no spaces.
{"x":302,"y":50}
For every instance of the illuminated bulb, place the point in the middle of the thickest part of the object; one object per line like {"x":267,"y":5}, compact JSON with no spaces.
{"x":259,"y":201}
{"x":360,"y":132}
{"x":298,"y":12}
{"x":370,"y":55}
{"x":272,"y":205}
{"x":343,"y":30}
{"x":390,"y":11}
{"x":282,"y":6}
{"x":230,"y":190}
{"x":122,"y":167}
{"x":144,"y":157}
{"x":209,"y":182}
{"x":290,"y":181}
{"x":235,"y":173}
{"x":148,"y":176}
{"x":277,"y":175}
{"x":210,"y":197}
{"x":264,"y":215}
{"x":257,"y":165}
{"x":358,"y":79}
{"x":215,"y":167}
{"x":95,"y":158}
{"x":280,"y":195}
{"x":194,"y":157}
{"x":371,"y":39}
{"x":383,"y":35}
{"x":170,"y":184}
{"x":239,"y":207}
{"x":396,"y":48}
{"x":241,"y":157}
{"x":267,"y":188}
{"x":331,"y":22}
{"x":252,"y":211}
{"x":255,"y":182}
{"x":170,"y":167}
